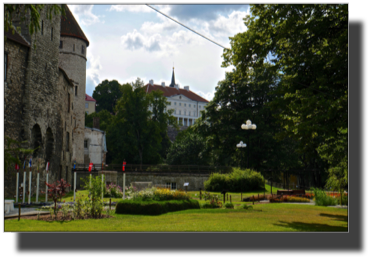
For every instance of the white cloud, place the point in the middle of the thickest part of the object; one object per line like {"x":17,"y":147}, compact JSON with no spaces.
{"x":95,"y":68}
{"x":130,"y":8}
{"x":83,"y":14}
{"x":136,"y":41}
{"x":226,"y":27}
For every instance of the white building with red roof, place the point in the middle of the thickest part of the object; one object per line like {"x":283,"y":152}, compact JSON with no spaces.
{"x":90,"y":104}
{"x":187,"y":105}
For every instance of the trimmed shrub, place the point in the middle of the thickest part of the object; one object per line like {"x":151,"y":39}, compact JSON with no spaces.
{"x":229,"y":205}
{"x":239,"y":180}
{"x":154,"y":207}
{"x":245,"y":206}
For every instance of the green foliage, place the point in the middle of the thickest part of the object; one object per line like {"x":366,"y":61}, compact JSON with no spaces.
{"x":113,"y":190}
{"x":307,"y":45}
{"x":238,"y":181}
{"x":14,"y":151}
{"x":245,"y":206}
{"x":236,"y":100}
{"x":229,"y":205}
{"x":22,"y":11}
{"x":139,"y":126}
{"x":338,"y":180}
{"x":189,"y":148}
{"x":322,"y":199}
{"x":95,"y":189}
{"x":106,"y":95}
{"x":105,"y":119}
{"x":154,"y":207}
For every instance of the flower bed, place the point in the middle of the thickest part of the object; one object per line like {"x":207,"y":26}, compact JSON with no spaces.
{"x":288,"y":199}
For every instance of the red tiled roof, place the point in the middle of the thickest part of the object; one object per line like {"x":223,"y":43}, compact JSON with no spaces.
{"x":70,"y":27}
{"x":17,"y":38}
{"x":89,"y":98}
{"x":169,"y":91}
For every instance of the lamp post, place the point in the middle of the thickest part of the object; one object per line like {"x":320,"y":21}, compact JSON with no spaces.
{"x":248,"y":126}
{"x":241,"y":145}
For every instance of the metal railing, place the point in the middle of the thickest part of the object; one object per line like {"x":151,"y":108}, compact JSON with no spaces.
{"x":164,"y":169}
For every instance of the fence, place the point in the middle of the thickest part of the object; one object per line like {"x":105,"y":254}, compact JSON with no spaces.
{"x":167,"y":169}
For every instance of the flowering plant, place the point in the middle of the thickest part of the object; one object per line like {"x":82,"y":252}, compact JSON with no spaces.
{"x":113,"y":190}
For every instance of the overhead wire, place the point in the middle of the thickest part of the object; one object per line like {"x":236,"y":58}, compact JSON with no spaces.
{"x":186,"y":26}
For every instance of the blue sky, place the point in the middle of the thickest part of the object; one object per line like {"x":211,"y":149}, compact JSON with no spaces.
{"x":130,"y":41}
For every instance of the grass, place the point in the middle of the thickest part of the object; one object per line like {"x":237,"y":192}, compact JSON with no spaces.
{"x":272,"y":217}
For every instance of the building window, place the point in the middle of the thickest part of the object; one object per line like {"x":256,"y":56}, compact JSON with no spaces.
{"x":68,"y":102}
{"x":194,"y":113}
{"x":60,"y":44}
{"x":86,"y":105}
{"x":85,"y":144}
{"x":51,"y":34}
{"x":5,"y":65}
{"x":179,"y":112}
{"x":171,"y":185}
{"x":180,"y":97}
{"x":82,"y":49}
{"x":73,"y":47}
{"x":42,"y":27}
{"x":179,"y":103}
{"x":67,"y":141}
{"x":175,"y":103}
{"x":76,"y":90}
{"x":185,"y":104}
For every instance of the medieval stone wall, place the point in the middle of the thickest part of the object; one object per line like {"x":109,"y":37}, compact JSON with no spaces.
{"x":73,"y":61}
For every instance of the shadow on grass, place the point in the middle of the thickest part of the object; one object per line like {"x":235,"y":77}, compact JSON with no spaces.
{"x":299,"y":226}
{"x":342,"y":218}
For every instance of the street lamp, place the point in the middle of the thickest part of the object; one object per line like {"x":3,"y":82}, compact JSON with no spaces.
{"x":248,"y":126}
{"x":241,"y":145}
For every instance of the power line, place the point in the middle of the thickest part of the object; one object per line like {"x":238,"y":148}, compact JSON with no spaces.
{"x":186,"y":26}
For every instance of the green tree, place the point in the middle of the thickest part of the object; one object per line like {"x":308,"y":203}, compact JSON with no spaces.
{"x":189,"y":148}
{"x":105,"y":119}
{"x":136,"y":130}
{"x":236,"y":100}
{"x":308,"y":46}
{"x":106,"y":95}
{"x":29,"y":11}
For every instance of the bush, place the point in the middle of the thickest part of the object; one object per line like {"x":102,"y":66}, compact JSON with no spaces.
{"x":239,"y":180}
{"x":154,"y":207}
{"x":229,"y":205}
{"x":245,"y":206}
{"x":163,"y":194}
{"x":322,"y":199}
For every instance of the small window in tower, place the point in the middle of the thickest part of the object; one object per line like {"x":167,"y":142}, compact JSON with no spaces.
{"x":76,"y":90}
{"x":52,"y":34}
{"x":68,"y":102}
{"x":73,"y":47}
{"x":86,"y":105}
{"x":42,"y":27}
{"x":85,"y":144}
{"x":67,"y":141}
{"x":60,"y":44}
{"x":82,"y":49}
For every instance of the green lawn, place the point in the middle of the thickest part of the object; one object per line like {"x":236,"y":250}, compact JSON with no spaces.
{"x":263,"y":217}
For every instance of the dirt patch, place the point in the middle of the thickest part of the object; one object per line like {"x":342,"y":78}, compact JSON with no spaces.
{"x":47,"y":218}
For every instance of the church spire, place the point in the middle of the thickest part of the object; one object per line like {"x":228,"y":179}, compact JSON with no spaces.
{"x":173,"y":80}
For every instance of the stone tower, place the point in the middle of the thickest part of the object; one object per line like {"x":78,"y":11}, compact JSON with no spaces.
{"x":72,"y":58}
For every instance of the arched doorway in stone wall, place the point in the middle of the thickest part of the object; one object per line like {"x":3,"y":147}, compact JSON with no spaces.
{"x":49,"y":145}
{"x":36,"y":140}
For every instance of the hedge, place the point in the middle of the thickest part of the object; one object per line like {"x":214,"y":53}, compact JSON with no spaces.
{"x":154,"y":207}
{"x":239,"y":180}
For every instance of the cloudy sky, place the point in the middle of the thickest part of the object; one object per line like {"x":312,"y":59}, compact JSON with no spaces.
{"x":130,"y":41}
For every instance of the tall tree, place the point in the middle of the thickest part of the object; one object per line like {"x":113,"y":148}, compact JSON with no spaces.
{"x":238,"y":99}
{"x":106,"y":95}
{"x":137,"y":128}
{"x":308,"y":45}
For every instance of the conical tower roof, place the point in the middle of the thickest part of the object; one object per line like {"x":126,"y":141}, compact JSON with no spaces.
{"x":172,"y":84}
{"x":70,"y":26}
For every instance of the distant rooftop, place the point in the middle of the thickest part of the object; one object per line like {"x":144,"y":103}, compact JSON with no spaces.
{"x":89,"y":98}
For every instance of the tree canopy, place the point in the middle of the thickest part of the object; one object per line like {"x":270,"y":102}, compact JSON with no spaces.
{"x":308,"y":46}
{"x":106,"y":95}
